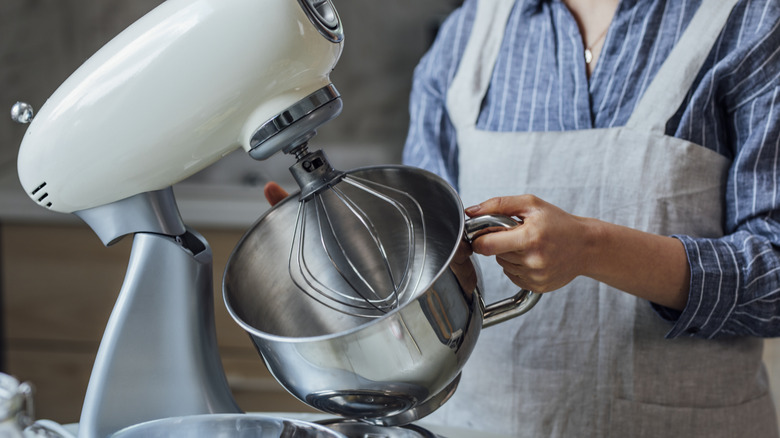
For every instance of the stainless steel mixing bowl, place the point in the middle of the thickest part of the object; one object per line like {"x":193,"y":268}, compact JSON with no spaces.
{"x":391,"y":370}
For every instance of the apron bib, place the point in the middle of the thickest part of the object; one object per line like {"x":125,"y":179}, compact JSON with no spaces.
{"x":590,"y":360}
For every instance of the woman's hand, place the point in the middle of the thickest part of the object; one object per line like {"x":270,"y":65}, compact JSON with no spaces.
{"x":274,"y":193}
{"x":546,"y":252}
{"x":552,"y":247}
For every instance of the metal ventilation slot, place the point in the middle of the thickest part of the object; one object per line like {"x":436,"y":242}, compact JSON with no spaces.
{"x":38,"y":189}
{"x":42,"y":196}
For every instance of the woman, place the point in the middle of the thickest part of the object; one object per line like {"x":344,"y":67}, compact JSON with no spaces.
{"x":638,"y":141}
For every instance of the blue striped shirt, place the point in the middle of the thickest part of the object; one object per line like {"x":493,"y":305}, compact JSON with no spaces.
{"x":539,"y":84}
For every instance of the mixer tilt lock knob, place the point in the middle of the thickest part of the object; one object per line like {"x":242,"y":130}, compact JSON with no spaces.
{"x":22,"y":113}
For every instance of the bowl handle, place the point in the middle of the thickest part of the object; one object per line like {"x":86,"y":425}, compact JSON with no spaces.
{"x":523,"y":300}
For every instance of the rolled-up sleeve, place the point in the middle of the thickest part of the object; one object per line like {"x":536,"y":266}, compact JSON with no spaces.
{"x":735,"y":280}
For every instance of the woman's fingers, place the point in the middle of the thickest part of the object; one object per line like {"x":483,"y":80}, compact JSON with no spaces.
{"x":542,"y":254}
{"x":274,"y":193}
{"x":517,"y":206}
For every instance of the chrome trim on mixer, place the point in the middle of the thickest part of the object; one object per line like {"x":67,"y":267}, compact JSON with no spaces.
{"x":325,"y":18}
{"x":309,"y":112}
{"x":294,"y":113}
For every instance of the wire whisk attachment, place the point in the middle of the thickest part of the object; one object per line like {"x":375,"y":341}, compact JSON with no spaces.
{"x":356,"y":242}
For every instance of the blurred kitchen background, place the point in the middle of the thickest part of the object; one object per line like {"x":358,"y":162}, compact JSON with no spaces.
{"x":58,"y":283}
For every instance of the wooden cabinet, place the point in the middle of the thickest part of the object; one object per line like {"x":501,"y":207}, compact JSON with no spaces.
{"x":59,"y":285}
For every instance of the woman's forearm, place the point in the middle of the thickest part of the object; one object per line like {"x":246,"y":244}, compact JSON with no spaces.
{"x":646,"y":265}
{"x":552,"y":247}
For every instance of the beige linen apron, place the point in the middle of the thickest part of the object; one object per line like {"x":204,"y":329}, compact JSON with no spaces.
{"x":590,"y":360}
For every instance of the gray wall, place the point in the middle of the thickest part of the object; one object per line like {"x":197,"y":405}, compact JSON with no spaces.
{"x":43,"y":41}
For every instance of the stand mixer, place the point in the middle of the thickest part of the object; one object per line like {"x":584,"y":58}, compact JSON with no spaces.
{"x":183,"y":86}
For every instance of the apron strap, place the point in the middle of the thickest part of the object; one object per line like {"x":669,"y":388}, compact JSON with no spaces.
{"x":668,"y":90}
{"x":464,"y":97}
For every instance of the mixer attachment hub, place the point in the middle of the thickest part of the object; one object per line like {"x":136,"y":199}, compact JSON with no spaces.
{"x":313,"y":172}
